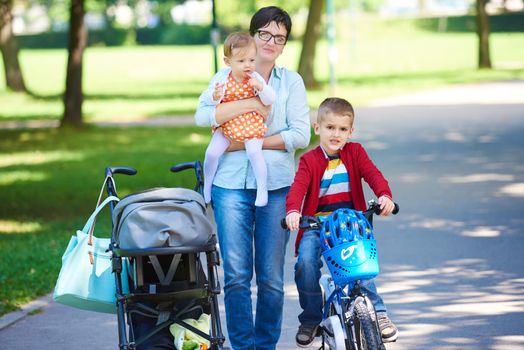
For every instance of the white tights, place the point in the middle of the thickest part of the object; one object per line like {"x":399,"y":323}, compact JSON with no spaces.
{"x":218,"y":145}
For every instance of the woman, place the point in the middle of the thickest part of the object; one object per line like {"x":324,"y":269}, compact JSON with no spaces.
{"x":251,"y":236}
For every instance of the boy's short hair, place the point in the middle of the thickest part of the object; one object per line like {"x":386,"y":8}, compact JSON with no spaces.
{"x":337,"y":106}
{"x":237,"y":40}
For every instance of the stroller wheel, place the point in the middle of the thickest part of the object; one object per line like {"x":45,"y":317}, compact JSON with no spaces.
{"x":333,"y":326}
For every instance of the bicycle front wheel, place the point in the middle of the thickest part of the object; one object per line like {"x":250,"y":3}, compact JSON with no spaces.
{"x":366,"y":333}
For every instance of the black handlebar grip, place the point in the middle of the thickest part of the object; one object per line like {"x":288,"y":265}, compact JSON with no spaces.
{"x":283,"y":224}
{"x":183,"y":166}
{"x":396,"y":209}
{"x":125,"y":170}
{"x":376,"y":209}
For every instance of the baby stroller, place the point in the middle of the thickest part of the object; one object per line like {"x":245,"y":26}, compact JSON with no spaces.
{"x":158,"y":238}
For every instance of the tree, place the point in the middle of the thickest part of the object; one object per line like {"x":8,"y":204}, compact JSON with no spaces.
{"x":13,"y":74}
{"x":309,"y":43}
{"x":73,"y":97}
{"x":483,"y":34}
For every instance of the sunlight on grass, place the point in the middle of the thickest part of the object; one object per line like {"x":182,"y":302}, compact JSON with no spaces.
{"x":137,"y":82}
{"x":38,"y":157}
{"x":13,"y":227}
{"x":11,"y":177}
{"x":197,"y":138}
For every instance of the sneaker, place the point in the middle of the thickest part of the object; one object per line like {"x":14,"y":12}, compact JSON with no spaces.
{"x":388,"y":329}
{"x":306,"y":335}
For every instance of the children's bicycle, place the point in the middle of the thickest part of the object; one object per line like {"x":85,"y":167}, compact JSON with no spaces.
{"x":349,"y":250}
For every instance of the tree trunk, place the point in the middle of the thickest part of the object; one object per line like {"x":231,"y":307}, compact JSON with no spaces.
{"x":13,"y":74}
{"x":73,"y":96}
{"x":309,"y":43}
{"x":483,"y":34}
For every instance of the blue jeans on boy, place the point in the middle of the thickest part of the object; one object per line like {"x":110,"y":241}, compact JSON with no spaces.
{"x":307,"y":276}
{"x":250,"y":237}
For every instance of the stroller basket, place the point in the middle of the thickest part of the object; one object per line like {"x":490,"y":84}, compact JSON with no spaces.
{"x":352,"y":261}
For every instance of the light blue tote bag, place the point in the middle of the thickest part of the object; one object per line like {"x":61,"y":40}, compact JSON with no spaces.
{"x":86,"y":280}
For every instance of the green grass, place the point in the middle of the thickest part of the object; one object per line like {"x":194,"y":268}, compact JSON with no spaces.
{"x":49,"y":183}
{"x":375,"y":59}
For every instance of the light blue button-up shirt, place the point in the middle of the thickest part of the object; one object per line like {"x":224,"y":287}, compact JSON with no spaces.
{"x":289,"y":117}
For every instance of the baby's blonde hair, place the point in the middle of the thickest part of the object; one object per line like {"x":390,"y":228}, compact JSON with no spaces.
{"x":335,"y":105}
{"x":237,"y":40}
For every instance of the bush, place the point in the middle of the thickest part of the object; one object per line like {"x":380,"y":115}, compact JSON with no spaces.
{"x":180,"y":34}
{"x":58,"y":40}
{"x":507,"y":22}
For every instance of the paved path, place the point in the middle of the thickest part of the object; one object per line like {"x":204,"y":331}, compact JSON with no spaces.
{"x":452,"y":263}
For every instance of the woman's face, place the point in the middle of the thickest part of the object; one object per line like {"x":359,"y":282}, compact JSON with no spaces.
{"x":268,"y":51}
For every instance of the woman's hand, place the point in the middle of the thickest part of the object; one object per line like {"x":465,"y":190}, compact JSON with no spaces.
{"x":386,"y":205}
{"x":217,"y":94}
{"x":235,"y":146}
{"x":293,"y":221}
{"x":224,"y":112}
{"x":261,"y":108}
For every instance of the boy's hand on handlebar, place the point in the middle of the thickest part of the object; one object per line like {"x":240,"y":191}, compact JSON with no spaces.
{"x":386,"y":205}
{"x":293,"y":221}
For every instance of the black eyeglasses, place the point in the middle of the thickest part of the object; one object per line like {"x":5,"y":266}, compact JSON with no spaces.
{"x":266,"y":36}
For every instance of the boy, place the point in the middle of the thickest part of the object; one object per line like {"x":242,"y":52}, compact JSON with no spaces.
{"x":329,"y":177}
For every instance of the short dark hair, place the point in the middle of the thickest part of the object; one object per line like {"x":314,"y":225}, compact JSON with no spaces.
{"x":269,"y":14}
{"x":337,"y":106}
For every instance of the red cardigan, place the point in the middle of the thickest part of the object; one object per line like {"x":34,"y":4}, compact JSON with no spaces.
{"x":306,"y":186}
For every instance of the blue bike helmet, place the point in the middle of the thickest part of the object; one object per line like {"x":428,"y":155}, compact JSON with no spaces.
{"x":344,"y":225}
{"x":348,"y":246}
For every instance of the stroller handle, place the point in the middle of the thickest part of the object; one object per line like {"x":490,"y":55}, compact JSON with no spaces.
{"x":198,"y":173}
{"x":111,"y":170}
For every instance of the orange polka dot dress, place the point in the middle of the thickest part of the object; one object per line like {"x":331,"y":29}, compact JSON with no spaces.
{"x":246,"y":126}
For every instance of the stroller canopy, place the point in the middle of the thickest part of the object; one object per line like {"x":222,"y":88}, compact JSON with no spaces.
{"x":162,"y":217}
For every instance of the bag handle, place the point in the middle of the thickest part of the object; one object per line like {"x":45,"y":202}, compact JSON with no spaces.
{"x":98,"y":202}
{"x":88,"y":227}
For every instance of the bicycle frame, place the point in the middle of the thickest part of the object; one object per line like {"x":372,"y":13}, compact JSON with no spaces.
{"x":344,"y":304}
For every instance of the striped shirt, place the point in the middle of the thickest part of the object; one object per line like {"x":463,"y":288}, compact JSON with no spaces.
{"x":335,"y":190}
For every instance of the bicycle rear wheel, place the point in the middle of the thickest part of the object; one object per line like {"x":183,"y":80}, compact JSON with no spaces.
{"x":367,"y":336}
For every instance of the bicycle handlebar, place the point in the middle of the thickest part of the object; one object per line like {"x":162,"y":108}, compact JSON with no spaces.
{"x":313,"y":222}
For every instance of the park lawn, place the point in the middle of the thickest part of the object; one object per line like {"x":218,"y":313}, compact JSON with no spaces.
{"x":135,"y":83}
{"x":49,"y":183}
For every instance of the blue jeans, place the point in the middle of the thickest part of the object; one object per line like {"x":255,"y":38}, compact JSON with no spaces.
{"x":307,"y":276}
{"x":250,"y":237}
